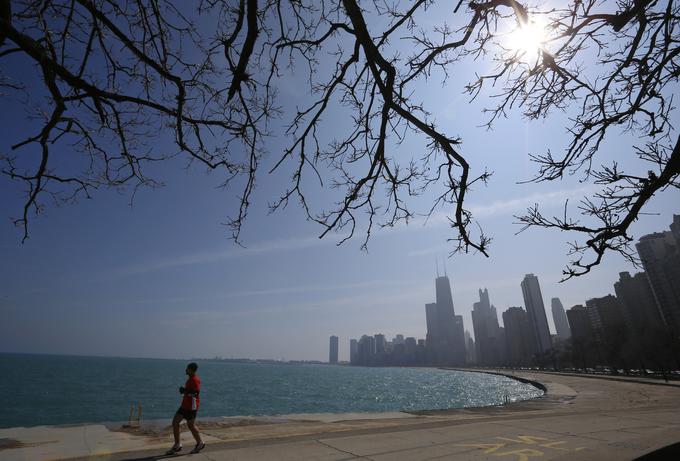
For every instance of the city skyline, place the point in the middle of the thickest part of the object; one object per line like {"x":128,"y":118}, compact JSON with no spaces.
{"x":123,"y":268}
{"x":637,"y":324}
{"x":484,"y":299}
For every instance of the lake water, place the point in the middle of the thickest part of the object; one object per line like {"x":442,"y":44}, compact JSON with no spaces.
{"x":43,"y":389}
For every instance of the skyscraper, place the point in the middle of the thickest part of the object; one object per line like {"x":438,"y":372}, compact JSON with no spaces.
{"x":459,"y":340}
{"x":444,"y":301}
{"x":579,"y":323}
{"x":432,"y":322}
{"x":380,"y":343}
{"x":518,"y":336}
{"x":353,"y":349}
{"x":581,"y":334}
{"x":366,"y":350}
{"x":487,"y":332}
{"x":445,"y":332}
{"x":607,"y":320}
{"x":637,"y":300}
{"x":660,"y":255}
{"x":470,"y":352}
{"x":333,"y":354}
{"x":560,"y":319}
{"x":533,"y":300}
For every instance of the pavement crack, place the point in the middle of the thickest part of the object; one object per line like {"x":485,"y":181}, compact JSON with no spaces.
{"x":342,"y":451}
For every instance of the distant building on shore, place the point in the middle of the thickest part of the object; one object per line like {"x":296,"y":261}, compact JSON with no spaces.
{"x":518,"y":337}
{"x":579,"y":322}
{"x":488,"y":339}
{"x":353,"y":349}
{"x":660,"y":255}
{"x":608,"y":323}
{"x":470,"y":351}
{"x":445,"y":332}
{"x":333,"y":354}
{"x":637,"y":300}
{"x":560,"y":319}
{"x":533,"y":300}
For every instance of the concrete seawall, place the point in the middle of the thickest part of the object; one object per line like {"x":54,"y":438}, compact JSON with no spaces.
{"x":577,"y":418}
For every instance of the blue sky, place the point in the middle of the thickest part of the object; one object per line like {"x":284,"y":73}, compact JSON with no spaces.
{"x":162,"y":279}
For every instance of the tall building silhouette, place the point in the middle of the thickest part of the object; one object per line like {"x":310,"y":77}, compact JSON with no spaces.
{"x":470,"y":350}
{"x":445,"y":310}
{"x":380,"y":343}
{"x":579,"y":323}
{"x":560,"y":319}
{"x":353,"y":349}
{"x":581,"y":335}
{"x":518,"y":338}
{"x":445,"y":330}
{"x":637,"y":300}
{"x":660,"y":255}
{"x":333,"y":353}
{"x":487,"y":331}
{"x":533,"y":300}
{"x":432,"y":322}
{"x":366,"y":350}
{"x":607,"y":322}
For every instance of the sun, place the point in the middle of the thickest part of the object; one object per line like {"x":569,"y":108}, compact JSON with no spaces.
{"x":527,"y":40}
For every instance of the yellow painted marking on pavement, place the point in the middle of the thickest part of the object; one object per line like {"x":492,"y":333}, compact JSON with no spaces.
{"x":552,"y":445}
{"x":523,"y":454}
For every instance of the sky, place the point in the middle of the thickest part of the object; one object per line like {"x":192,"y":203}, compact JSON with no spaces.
{"x":161,"y":278}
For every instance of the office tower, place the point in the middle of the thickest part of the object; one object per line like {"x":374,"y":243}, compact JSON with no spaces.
{"x":518,"y":337}
{"x":380,"y":344}
{"x":333,"y":354}
{"x":579,"y":323}
{"x":459,"y":338}
{"x":444,"y":299}
{"x":432,"y":322}
{"x":447,"y":338}
{"x":353,"y":349}
{"x":410,"y":346}
{"x":637,"y":300}
{"x":470,"y":352}
{"x":399,"y":339}
{"x":533,"y":300}
{"x":366,"y":350}
{"x":581,"y":334}
{"x":560,"y":319}
{"x":660,"y":255}
{"x":487,"y":332}
{"x":445,"y":311}
{"x":608,"y":323}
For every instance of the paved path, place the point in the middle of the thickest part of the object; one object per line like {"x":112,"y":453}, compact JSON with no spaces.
{"x":579,"y":418}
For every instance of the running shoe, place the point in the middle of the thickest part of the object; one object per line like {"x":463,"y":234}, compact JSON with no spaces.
{"x":198,"y":447}
{"x":176,"y":448}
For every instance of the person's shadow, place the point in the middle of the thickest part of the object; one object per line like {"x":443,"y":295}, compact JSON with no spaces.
{"x":154,"y":457}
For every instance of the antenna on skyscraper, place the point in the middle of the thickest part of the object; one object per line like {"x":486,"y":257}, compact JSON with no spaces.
{"x":436,"y":262}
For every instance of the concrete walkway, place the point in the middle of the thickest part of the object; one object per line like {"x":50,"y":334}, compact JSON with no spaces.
{"x":579,"y":418}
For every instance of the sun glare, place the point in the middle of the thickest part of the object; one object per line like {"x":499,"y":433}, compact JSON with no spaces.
{"x":527,"y":40}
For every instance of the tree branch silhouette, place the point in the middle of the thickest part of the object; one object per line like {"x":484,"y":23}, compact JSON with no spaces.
{"x":119,"y":75}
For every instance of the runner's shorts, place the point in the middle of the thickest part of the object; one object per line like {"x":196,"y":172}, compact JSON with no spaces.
{"x":187,"y":414}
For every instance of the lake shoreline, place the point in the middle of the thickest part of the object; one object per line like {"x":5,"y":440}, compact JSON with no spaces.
{"x":577,"y":418}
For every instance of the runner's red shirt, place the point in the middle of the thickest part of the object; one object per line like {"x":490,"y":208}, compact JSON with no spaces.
{"x":191,"y":402}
